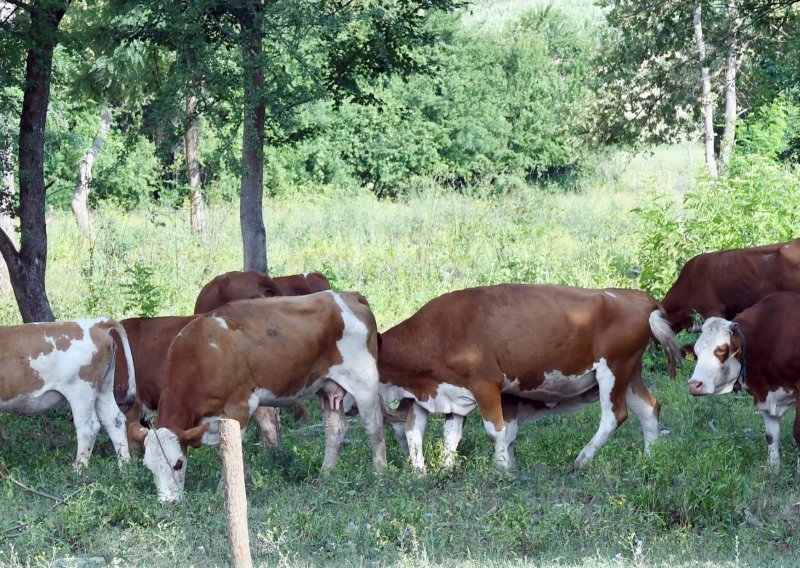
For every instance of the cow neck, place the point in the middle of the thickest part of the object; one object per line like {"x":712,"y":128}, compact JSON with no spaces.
{"x":174,"y":412}
{"x":398,"y":353}
{"x":741,"y":380}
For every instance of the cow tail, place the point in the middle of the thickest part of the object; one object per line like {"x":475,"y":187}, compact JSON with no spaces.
{"x":126,"y":348}
{"x":663,"y":334}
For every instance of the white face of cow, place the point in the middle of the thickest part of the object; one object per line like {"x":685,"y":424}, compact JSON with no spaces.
{"x":165,"y":458}
{"x":717,"y":366}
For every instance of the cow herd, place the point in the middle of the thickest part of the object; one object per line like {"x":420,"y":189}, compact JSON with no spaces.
{"x":515,"y":352}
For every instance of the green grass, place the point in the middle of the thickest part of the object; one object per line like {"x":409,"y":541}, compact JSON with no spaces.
{"x":687,"y":504}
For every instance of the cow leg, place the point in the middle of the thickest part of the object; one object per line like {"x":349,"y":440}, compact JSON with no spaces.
{"x":772,"y":429}
{"x":268,"y":419}
{"x":399,"y":429}
{"x":416,"y":422}
{"x":645,"y":407}
{"x":489,"y":403}
{"x":453,"y":430}
{"x":369,"y":407}
{"x":111,"y":417}
{"x":335,"y":430}
{"x":613,"y":412}
{"x":87,"y":425}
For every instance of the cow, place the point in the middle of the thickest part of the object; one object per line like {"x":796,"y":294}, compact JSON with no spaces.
{"x":724,"y":283}
{"x":758,"y":351}
{"x":555,"y":345}
{"x":45,"y":364}
{"x":273,"y":351}
{"x":237,"y":285}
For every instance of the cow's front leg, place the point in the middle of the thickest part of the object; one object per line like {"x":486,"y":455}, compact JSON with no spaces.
{"x":87,"y":424}
{"x":268,"y":419}
{"x":772,"y":430}
{"x":489,"y":403}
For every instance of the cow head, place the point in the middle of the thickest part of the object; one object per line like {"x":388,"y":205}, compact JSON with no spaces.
{"x":718,"y":367}
{"x":165,"y":456}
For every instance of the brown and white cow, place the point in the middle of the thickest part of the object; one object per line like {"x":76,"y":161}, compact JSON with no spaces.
{"x":45,"y":364}
{"x":275,"y":352}
{"x":759,"y":349}
{"x":724,"y":283}
{"x":555,"y":345}
{"x":237,"y":285}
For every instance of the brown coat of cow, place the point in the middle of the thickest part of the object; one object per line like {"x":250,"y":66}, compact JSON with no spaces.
{"x":238,"y":285}
{"x":759,"y":347}
{"x":269,"y":351}
{"x":553,"y":344}
{"x":724,"y":283}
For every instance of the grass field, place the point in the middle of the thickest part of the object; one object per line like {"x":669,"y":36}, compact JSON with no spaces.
{"x":702,"y":498}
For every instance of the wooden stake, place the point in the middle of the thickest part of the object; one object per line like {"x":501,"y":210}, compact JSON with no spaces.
{"x":230,"y":448}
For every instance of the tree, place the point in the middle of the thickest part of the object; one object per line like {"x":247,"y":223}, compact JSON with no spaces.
{"x":290,"y":54}
{"x":80,"y":199}
{"x":654,"y":55}
{"x":27,"y":266}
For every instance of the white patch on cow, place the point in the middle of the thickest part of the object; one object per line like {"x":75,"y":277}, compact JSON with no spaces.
{"x":498,"y":438}
{"x":61,"y":367}
{"x":221,"y":321}
{"x":415,"y":431}
{"x":711,"y":376}
{"x":646,"y":415}
{"x":305,"y":275}
{"x":611,"y":294}
{"x":450,"y":399}
{"x":453,"y":430}
{"x":608,"y":422}
{"x":768,"y":257}
{"x":163,"y":456}
{"x":214,"y":345}
{"x":555,"y":387}
{"x":147,"y":414}
{"x":777,"y":403}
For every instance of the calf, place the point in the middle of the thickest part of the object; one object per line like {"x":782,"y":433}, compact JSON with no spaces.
{"x":724,"y":283}
{"x":758,"y":349}
{"x":556,"y":346}
{"x":272,"y":351}
{"x":48,"y":363}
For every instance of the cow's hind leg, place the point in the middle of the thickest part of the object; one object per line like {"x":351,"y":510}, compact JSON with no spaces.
{"x":82,"y":404}
{"x":268,"y":419}
{"x":335,"y":426}
{"x":416,"y":422}
{"x":111,"y":416}
{"x":453,"y":430}
{"x":365,"y":393}
{"x":613,"y":410}
{"x":645,"y":407}
{"x":488,"y":398}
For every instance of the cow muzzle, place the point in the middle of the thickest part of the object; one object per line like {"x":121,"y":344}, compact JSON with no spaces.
{"x":696,"y":388}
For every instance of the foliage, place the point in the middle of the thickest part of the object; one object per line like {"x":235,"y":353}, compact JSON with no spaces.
{"x":142,"y":296}
{"x":756,"y":202}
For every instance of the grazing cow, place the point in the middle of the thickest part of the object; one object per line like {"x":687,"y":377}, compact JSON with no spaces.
{"x":758,"y":349}
{"x":555,"y":345}
{"x":272,"y":351}
{"x":237,"y":285}
{"x":48,"y":363}
{"x":724,"y":283}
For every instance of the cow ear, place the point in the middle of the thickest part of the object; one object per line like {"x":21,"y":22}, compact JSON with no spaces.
{"x":193,"y":436}
{"x":137,"y":432}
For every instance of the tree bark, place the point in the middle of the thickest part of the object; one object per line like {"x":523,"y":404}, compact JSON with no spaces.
{"x":254,"y":238}
{"x":197,"y":214}
{"x":707,"y":101}
{"x":80,"y":199}
{"x":731,"y":68}
{"x":28,"y":266}
{"x":7,"y":203}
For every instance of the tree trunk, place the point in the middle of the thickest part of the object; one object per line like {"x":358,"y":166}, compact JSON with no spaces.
{"x":28,"y":266}
{"x":731,"y":67}
{"x":705,"y":81}
{"x":197,"y":214}
{"x":7,"y":203}
{"x":254,"y":238}
{"x":80,"y":199}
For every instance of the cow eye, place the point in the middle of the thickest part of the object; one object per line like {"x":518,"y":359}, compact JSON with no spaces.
{"x":178,"y":465}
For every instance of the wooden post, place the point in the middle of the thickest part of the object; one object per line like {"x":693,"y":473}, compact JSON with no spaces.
{"x":230,"y":448}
